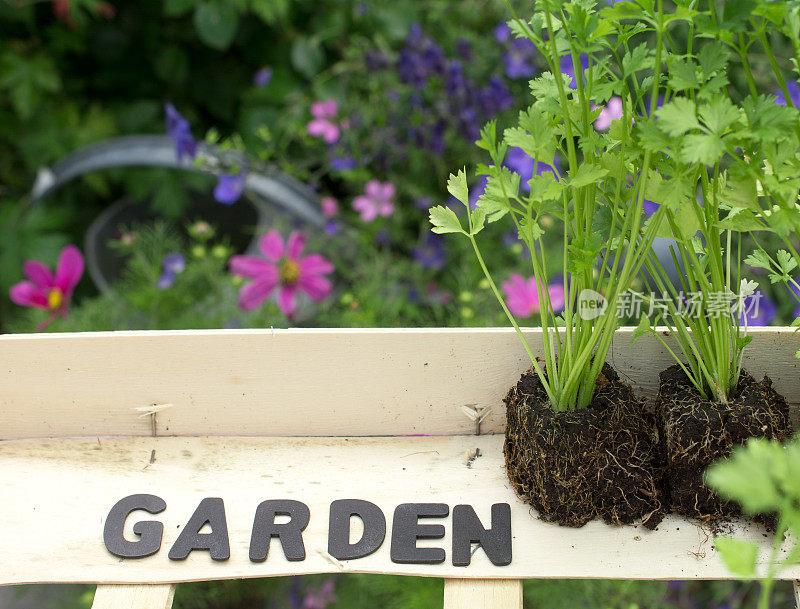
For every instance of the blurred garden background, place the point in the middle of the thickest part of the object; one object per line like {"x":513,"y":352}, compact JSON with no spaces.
{"x":288,"y":152}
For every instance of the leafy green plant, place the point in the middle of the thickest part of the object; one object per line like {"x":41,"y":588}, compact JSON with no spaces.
{"x":599,"y":199}
{"x":720,"y":157}
{"x":763,"y":477}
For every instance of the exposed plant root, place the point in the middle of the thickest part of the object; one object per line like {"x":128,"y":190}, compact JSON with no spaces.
{"x":696,"y":432}
{"x":600,"y":462}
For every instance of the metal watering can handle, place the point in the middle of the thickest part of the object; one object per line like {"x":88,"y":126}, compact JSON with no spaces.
{"x":159,"y":151}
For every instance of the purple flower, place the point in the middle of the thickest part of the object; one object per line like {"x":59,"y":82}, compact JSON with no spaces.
{"x":430,"y":255}
{"x":475,"y":193}
{"x":229,"y":188}
{"x":171,"y":265}
{"x":263,"y":77}
{"x":502,"y":33}
{"x":611,"y":111}
{"x":794,"y":94}
{"x":796,"y":294}
{"x":342,"y":163}
{"x":420,"y":58}
{"x":382,"y":237}
{"x":331,"y":227}
{"x":519,"y":59}
{"x":520,"y":162}
{"x":759,"y":310}
{"x":495,"y":97}
{"x":180,"y":132}
{"x":568,"y":68}
{"x":463,"y":49}
{"x":423,"y":202}
{"x":375,"y":60}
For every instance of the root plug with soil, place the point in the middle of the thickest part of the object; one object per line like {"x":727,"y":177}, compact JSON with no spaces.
{"x":574,"y":466}
{"x":696,"y":432}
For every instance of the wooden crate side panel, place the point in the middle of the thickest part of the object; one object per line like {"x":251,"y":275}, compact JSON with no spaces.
{"x":57,"y":494}
{"x":298,"y":382}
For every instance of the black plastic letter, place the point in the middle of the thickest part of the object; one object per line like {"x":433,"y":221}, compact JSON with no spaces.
{"x":290,"y":534}
{"x":210,"y":511}
{"x":342,"y":510}
{"x":406,"y":530}
{"x":149,"y":531}
{"x":495,"y":541}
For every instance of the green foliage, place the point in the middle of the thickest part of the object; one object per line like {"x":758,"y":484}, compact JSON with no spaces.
{"x":763,"y":477}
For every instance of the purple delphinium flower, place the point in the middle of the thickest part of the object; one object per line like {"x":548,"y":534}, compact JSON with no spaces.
{"x":431,"y":254}
{"x":375,"y":60}
{"x":568,"y":68}
{"x":171,"y":265}
{"x":382,"y":237}
{"x":423,"y":202}
{"x":796,"y":295}
{"x":502,"y":33}
{"x":650,"y":207}
{"x":263,"y":77}
{"x":475,"y":193}
{"x":464,"y":49}
{"x":495,"y":97}
{"x":180,"y":132}
{"x":520,"y":162}
{"x":331,"y":227}
{"x":759,"y":310}
{"x":794,"y":94}
{"x":342,"y":163}
{"x":519,"y":59}
{"x":420,"y":58}
{"x":229,"y":188}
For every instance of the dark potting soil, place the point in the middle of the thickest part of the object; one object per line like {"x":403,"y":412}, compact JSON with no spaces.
{"x":696,"y":432}
{"x":599,"y":462}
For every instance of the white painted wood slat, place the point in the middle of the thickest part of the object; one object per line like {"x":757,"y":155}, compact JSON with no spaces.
{"x":134,"y":597}
{"x":57,"y":494}
{"x":482,"y":594}
{"x":299,"y":382}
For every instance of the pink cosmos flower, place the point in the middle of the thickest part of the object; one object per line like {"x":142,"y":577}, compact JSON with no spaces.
{"x":323,"y":124}
{"x":611,"y":112}
{"x":522,"y":296}
{"x":49,"y":291}
{"x":282,"y":268}
{"x":376,"y":200}
{"x":330,"y":206}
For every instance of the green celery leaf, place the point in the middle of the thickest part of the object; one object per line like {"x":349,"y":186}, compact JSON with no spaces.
{"x":444,"y":220}
{"x":739,"y":556}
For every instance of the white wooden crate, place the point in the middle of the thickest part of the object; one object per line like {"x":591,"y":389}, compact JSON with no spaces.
{"x":312,"y":415}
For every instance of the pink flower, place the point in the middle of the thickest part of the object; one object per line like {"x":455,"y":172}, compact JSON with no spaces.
{"x":611,"y":112}
{"x":50,"y":291}
{"x":522,"y":296}
{"x":283,"y":268}
{"x":323,"y":124}
{"x":376,"y":200}
{"x":330,"y":206}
